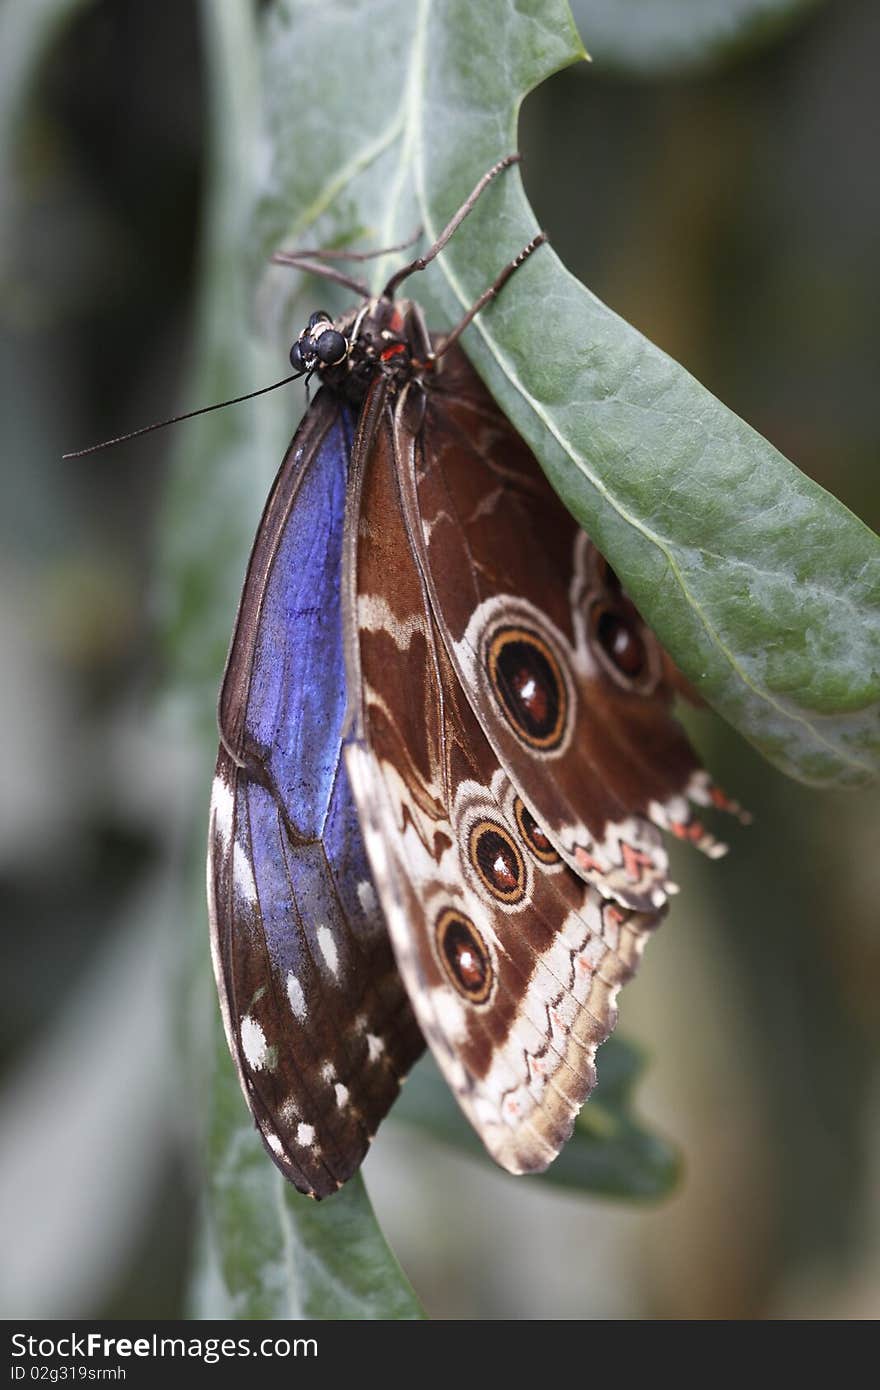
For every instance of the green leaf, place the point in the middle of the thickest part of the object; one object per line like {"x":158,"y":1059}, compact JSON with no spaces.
{"x":273,"y":1253}
{"x":762,"y":586}
{"x":659,"y":36}
{"x":609,"y":1154}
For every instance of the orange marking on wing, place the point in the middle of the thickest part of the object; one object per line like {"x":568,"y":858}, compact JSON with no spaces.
{"x":722,"y":802}
{"x":634,"y":860}
{"x":586,"y":861}
{"x":688,"y":830}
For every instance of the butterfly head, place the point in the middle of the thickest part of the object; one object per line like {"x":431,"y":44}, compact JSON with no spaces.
{"x":320,"y":344}
{"x":348,"y":353}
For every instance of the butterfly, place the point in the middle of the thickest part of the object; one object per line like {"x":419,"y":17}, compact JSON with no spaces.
{"x":447,"y":753}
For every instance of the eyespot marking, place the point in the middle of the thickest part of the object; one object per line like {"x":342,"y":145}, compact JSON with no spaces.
{"x":618,"y":638}
{"x":464,"y":955}
{"x":533,"y":835}
{"x":527,"y":681}
{"x":497,"y":860}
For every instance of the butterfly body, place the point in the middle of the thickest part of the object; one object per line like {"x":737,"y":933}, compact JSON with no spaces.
{"x":446,"y":751}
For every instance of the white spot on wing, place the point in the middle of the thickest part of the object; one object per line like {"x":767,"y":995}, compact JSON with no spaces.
{"x":253,"y":1043}
{"x":296,"y":996}
{"x":341,"y":1095}
{"x":328,"y":949}
{"x":449,"y":1013}
{"x":243,"y":874}
{"x":376,"y":615}
{"x":375,"y":1047}
{"x":367,"y":897}
{"x":274,"y":1143}
{"x":328,"y":1071}
{"x":288,"y":1111}
{"x":222,"y":806}
{"x":305,"y":1135}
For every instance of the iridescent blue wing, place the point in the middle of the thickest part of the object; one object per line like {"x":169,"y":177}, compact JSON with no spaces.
{"x":315,"y":1013}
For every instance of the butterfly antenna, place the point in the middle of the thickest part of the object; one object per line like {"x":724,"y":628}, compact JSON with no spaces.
{"x":187,"y":415}
{"x":421,"y":261}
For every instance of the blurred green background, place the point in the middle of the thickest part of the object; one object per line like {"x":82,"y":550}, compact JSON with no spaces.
{"x":731,"y":214}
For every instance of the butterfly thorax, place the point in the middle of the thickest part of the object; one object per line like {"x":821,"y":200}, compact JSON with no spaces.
{"x":379,"y":338}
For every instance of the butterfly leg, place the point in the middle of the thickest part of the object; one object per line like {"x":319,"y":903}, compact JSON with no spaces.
{"x":324,"y":272}
{"x":341,"y":254}
{"x":310,"y":262}
{"x":422,"y":261}
{"x":446,"y":343}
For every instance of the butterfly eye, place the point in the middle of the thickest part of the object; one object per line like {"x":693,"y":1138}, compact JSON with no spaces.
{"x":497,"y":860}
{"x":331,"y":347}
{"x":464,"y":955}
{"x":319,"y":316}
{"x":620,"y":642}
{"x":533,"y":835}
{"x":297,"y":360}
{"x":527,"y":679}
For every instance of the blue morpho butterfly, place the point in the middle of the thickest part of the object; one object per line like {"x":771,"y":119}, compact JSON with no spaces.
{"x":446,"y":749}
